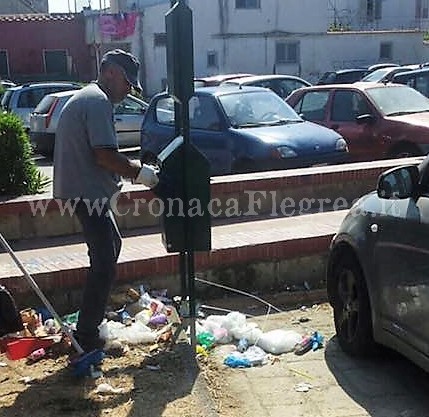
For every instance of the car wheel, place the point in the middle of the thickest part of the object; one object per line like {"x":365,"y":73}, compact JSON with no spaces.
{"x":352,"y":311}
{"x":404,"y":151}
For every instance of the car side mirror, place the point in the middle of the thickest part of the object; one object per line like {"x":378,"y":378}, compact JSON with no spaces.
{"x":399,"y":183}
{"x":365,"y":118}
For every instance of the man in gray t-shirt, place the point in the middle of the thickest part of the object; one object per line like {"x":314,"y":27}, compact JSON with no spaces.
{"x":87,"y":172}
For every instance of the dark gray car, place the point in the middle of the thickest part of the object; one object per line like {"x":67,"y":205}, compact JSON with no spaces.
{"x":378,"y":268}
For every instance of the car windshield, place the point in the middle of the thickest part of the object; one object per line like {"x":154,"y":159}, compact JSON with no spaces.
{"x":398,"y":100}
{"x":376,"y":75}
{"x":257,"y":108}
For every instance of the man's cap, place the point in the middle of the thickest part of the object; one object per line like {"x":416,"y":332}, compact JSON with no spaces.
{"x":128,"y":63}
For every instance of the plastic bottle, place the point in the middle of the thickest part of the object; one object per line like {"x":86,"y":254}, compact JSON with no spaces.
{"x":243,"y":344}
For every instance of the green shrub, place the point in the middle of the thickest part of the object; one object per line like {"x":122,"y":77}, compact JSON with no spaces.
{"x":19,"y":174}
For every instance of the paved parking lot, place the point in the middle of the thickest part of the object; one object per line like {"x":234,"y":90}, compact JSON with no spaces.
{"x":338,"y":386}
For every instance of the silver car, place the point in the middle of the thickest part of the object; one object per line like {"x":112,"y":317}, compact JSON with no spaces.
{"x":23,"y":99}
{"x":128,"y":118}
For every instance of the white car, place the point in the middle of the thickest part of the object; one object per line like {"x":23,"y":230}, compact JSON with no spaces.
{"x":128,"y":117}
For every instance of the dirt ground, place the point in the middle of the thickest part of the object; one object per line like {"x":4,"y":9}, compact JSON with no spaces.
{"x":148,"y":380}
{"x":158,"y":383}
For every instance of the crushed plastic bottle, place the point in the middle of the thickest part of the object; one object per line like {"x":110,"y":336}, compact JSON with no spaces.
{"x":243,"y":344}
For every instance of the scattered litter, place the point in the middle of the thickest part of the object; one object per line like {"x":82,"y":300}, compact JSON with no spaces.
{"x":105,"y":388}
{"x":200,"y":350}
{"x":303,"y":387}
{"x":313,"y":342}
{"x":301,"y":373}
{"x":253,"y":356}
{"x":3,"y":364}
{"x":153,"y":347}
{"x":26,"y":379}
{"x":153,"y":367}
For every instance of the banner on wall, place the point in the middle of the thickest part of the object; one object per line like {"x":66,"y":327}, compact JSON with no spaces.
{"x":119,"y":25}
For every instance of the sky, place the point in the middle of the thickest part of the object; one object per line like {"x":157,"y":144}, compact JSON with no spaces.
{"x":64,"y":6}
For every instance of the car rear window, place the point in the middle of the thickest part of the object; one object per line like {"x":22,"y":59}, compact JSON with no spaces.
{"x":350,"y":77}
{"x":44,"y":105}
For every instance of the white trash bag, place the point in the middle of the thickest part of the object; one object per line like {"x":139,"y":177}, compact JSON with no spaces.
{"x":279,"y":341}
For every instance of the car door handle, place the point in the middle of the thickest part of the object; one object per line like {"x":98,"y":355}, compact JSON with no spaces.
{"x":117,"y":119}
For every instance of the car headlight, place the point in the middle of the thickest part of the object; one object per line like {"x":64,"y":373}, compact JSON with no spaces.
{"x":341,"y":145}
{"x":286,"y":152}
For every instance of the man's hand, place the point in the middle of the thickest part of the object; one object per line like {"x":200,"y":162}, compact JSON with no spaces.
{"x":148,"y":176}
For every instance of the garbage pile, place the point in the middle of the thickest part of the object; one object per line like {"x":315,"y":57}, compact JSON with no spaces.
{"x":252,"y":345}
{"x":148,"y":318}
{"x":144,"y":318}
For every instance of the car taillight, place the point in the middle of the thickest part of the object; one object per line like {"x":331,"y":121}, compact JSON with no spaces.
{"x":50,"y":112}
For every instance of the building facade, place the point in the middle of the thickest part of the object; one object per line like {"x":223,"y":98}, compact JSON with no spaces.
{"x":379,"y":14}
{"x":44,"y":47}
{"x":254,"y":36}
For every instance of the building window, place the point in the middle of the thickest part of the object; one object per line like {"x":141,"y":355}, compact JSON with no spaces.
{"x":247,"y":4}
{"x":212,"y":59}
{"x":159,"y":39}
{"x":373,"y":10}
{"x":55,"y":61}
{"x":287,"y":52}
{"x":386,"y":50}
{"x":422,"y":9}
{"x":4,"y":64}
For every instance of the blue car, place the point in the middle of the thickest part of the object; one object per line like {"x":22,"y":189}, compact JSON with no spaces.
{"x":242,"y":129}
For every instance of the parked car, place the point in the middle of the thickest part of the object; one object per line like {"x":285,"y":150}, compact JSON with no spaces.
{"x":375,"y":67}
{"x":242,"y":130}
{"x":128,"y":117}
{"x":417,"y":79}
{"x":23,"y":99}
{"x":7,"y":83}
{"x":377,"y":278}
{"x":384,"y":75}
{"x":342,"y":76}
{"x":214,"y":80}
{"x":282,"y":85}
{"x":377,"y":120}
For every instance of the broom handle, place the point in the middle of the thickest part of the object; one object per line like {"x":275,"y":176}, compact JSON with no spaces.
{"x":39,"y":292}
